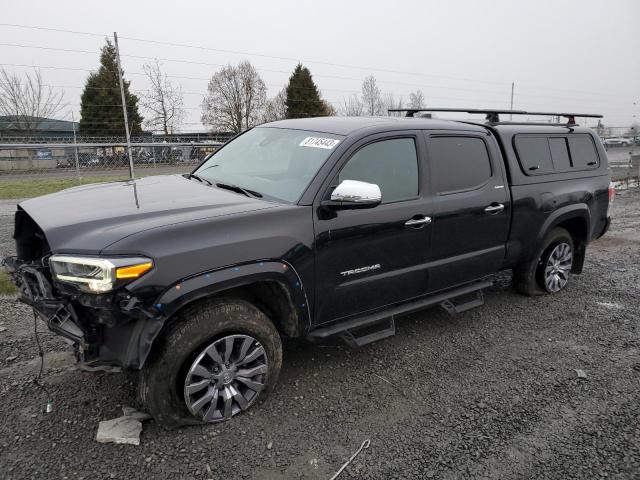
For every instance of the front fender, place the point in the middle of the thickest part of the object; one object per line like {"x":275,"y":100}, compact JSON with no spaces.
{"x":208,"y":283}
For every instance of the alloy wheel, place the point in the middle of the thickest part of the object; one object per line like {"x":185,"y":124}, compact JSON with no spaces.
{"x":226,"y":378}
{"x":557,"y":268}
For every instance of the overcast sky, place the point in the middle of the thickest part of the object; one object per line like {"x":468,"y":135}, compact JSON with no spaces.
{"x":562,"y":55}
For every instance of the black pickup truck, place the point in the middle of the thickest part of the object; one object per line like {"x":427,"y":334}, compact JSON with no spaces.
{"x":303,"y":228}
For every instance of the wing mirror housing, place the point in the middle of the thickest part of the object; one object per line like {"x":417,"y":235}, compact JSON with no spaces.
{"x":351,"y":194}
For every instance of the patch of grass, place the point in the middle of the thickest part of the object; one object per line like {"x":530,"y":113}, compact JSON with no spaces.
{"x":42,"y":186}
{"x":6,"y":286}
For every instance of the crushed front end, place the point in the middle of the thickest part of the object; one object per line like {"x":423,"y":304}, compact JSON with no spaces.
{"x":84,"y":299}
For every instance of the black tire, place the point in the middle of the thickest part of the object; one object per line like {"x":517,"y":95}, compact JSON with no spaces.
{"x":529,"y":278}
{"x":161,"y":387}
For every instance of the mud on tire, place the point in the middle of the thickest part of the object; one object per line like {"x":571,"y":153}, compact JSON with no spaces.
{"x":161,"y":386}
{"x":528,"y":278}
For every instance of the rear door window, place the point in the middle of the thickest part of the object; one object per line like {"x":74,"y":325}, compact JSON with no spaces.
{"x":459,"y":163}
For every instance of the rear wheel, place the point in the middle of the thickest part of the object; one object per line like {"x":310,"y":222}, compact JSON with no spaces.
{"x":549,"y":271}
{"x":218,"y":359}
{"x":555,"y":266}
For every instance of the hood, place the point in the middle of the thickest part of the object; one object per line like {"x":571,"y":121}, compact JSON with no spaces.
{"x":88,"y":218}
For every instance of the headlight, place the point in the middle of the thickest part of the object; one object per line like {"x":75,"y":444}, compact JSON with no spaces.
{"x":97,"y":275}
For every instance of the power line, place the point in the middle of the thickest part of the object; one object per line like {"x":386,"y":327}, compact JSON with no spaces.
{"x":169,"y":76}
{"x":422,"y":86}
{"x":319,"y":62}
{"x":501,"y":94}
{"x":185,"y":93}
{"x":238,"y":52}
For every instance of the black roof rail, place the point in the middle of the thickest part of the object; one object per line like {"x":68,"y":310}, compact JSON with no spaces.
{"x":493,"y":115}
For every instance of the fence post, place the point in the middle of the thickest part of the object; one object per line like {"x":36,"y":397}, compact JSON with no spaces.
{"x":75,"y":148}
{"x":124,"y":105}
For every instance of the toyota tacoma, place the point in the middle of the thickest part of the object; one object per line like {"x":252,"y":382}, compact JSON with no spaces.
{"x":311,"y":228}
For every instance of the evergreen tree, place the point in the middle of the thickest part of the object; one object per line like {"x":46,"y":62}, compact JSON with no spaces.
{"x":101,"y":102}
{"x":303,"y":97}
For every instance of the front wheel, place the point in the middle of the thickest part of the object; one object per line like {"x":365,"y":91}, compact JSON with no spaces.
{"x":216,"y":360}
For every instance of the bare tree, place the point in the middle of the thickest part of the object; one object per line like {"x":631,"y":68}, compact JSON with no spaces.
{"x":371,"y":96}
{"x":275,"y":108}
{"x":27,"y":101}
{"x":416,"y":99}
{"x":235,"y":99}
{"x":329,"y":108}
{"x":163,"y":101}
{"x":352,"y":106}
{"x":389,"y":101}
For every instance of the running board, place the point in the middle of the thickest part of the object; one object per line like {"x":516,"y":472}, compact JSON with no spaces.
{"x":381,"y":324}
{"x":457,"y":305}
{"x":357,"y":337}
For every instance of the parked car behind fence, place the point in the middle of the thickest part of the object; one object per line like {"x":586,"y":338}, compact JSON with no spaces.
{"x":28,"y":158}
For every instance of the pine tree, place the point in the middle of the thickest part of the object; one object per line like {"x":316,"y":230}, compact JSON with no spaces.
{"x":101,"y":102}
{"x":303,"y":97}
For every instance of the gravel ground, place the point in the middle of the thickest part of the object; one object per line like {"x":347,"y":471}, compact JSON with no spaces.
{"x":491,"y":393}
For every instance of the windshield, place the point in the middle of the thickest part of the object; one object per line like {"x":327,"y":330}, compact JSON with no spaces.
{"x":274,"y":162}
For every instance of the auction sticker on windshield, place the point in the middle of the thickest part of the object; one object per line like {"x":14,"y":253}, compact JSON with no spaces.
{"x":319,"y":142}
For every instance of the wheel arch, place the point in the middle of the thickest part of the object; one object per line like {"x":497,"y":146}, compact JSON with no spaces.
{"x":576,"y":220}
{"x":272,"y":286}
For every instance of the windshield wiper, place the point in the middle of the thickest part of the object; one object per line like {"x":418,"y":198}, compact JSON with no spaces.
{"x":199,"y":178}
{"x":236,"y":188}
{"x":209,"y":167}
{"x":227,"y":186}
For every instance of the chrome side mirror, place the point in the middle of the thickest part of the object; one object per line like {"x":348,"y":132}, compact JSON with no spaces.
{"x":355,"y":194}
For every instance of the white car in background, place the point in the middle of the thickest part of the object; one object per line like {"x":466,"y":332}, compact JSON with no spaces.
{"x":618,"y":142}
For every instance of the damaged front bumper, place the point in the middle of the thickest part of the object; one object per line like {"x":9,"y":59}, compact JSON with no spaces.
{"x":111,"y":329}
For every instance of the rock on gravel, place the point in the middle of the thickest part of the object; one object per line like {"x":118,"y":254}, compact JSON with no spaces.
{"x":580,"y":373}
{"x":123,"y":429}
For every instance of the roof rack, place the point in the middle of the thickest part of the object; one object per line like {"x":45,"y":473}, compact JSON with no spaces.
{"x":493,"y":115}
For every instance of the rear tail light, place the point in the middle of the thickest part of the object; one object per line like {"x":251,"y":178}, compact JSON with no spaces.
{"x":612,"y":195}
{"x":612,"y":192}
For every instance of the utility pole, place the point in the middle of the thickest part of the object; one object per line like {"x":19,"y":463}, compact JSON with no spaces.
{"x":511,"y":116}
{"x":75,"y":147}
{"x":124,"y":105}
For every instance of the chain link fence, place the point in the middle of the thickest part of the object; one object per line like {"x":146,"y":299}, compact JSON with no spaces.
{"x":623,"y":149}
{"x":41,"y":158}
{"x":31,"y":160}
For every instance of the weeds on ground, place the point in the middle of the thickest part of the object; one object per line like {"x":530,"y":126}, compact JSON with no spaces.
{"x":42,"y":186}
{"x":6,"y":286}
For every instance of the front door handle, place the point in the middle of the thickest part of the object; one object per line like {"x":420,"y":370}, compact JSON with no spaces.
{"x":494,"y":208}
{"x":418,"y":222}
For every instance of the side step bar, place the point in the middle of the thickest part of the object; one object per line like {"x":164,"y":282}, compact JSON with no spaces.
{"x":370,"y":328}
{"x":459,"y":305}
{"x":357,"y":337}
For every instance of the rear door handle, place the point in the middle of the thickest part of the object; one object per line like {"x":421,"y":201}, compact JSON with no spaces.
{"x":494,"y":208}
{"x":418,"y":222}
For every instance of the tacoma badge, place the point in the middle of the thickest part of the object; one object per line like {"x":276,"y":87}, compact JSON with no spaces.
{"x":355,"y":271}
